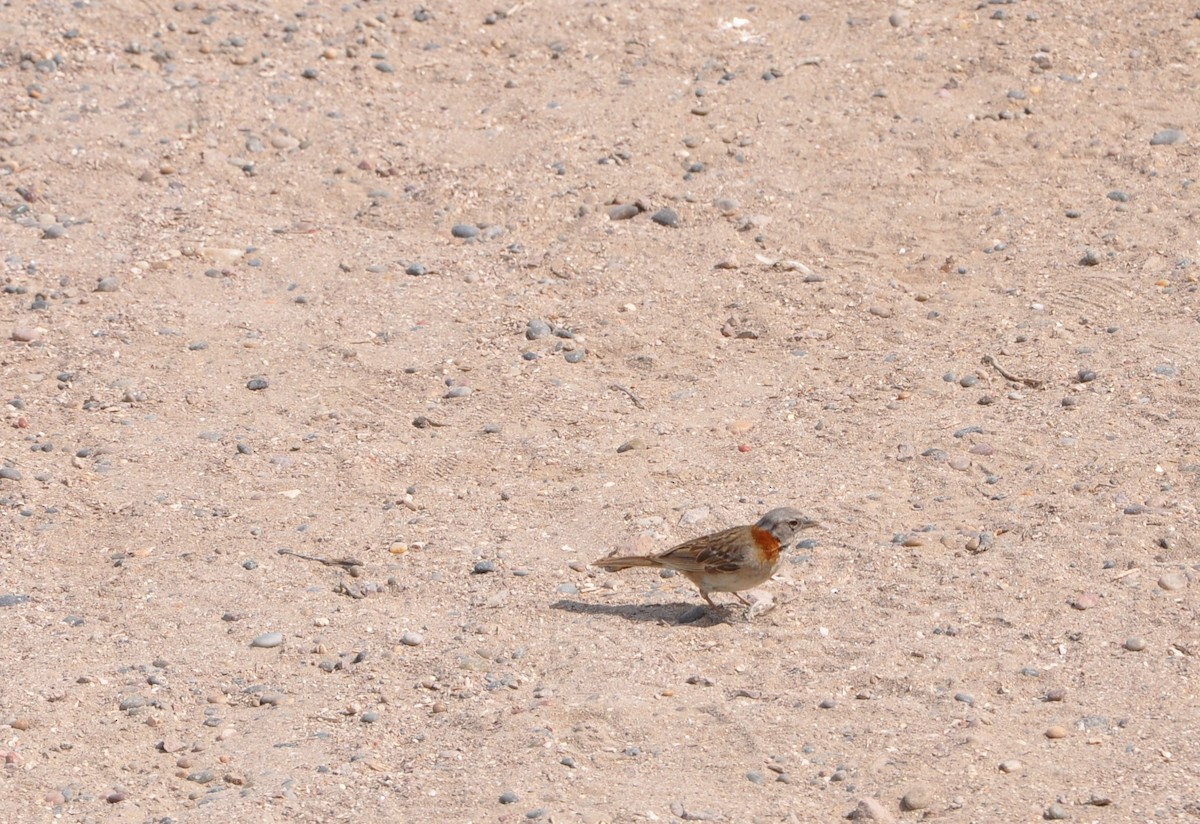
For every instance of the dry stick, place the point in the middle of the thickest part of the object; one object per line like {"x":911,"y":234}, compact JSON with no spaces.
{"x":345,"y":563}
{"x":636,"y":400}
{"x":1033,"y":383}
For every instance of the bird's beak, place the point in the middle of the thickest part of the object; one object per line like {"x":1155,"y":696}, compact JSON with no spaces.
{"x":809,"y":524}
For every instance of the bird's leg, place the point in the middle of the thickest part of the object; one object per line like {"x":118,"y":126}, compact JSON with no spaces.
{"x":704,"y":595}
{"x":738,"y":595}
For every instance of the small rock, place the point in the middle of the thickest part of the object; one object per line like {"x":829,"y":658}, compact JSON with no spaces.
{"x":1173,"y":581}
{"x":917,"y":798}
{"x":631,"y":444}
{"x":1168,"y":137}
{"x":692,"y":614}
{"x":509,"y":797}
{"x":484,"y":567}
{"x":257,"y":384}
{"x":1135,"y":643}
{"x":1085,"y":600}
{"x":465,"y":231}
{"x":666,"y":217}
{"x":268,"y":640}
{"x":965,"y":698}
{"x":9,"y":473}
{"x":24,"y":334}
{"x":1011,"y":765}
{"x":1090,"y":258}
{"x":458,"y":392}
{"x":869,"y":809}
{"x":54,"y":231}
{"x":412,"y":639}
{"x":109,"y":284}
{"x":624,"y":211}
{"x":1055,"y":732}
{"x":882,"y":311}
{"x":537,"y":328}
{"x":1056,"y":695}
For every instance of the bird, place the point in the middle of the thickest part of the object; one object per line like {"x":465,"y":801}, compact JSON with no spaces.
{"x":732,"y":560}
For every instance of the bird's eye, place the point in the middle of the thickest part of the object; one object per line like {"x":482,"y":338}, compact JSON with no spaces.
{"x":793,"y":522}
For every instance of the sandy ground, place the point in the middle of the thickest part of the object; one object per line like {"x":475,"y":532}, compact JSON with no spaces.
{"x":928,"y":280}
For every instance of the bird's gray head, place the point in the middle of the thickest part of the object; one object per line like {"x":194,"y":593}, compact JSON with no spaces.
{"x":784,"y":522}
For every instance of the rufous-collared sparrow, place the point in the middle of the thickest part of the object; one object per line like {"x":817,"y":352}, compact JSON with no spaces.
{"x":732,"y":560}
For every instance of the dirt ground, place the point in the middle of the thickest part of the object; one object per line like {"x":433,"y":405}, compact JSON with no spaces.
{"x":925,"y":271}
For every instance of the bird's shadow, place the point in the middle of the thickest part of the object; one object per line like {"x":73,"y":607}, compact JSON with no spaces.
{"x":674,"y":613}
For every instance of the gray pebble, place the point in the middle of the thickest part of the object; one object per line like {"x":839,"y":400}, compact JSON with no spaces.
{"x":109,"y":284}
{"x":412,"y":639}
{"x":250,"y":564}
{"x":1090,"y":258}
{"x":1055,"y":812}
{"x":385,"y":67}
{"x":965,"y":697}
{"x":11,"y":600}
{"x":309,"y":74}
{"x":1135,"y":643}
{"x":537,"y":328}
{"x":1118,"y":196}
{"x":755,"y":777}
{"x":509,"y":797}
{"x":257,"y":384}
{"x":465,"y":231}
{"x":827,"y":703}
{"x":202,"y":776}
{"x":917,"y":798}
{"x":692,"y":614}
{"x":1168,"y":137}
{"x":1074,"y":213}
{"x":458,"y":392}
{"x":967,"y":381}
{"x":491,"y":428}
{"x":575,"y":355}
{"x":415,"y":269}
{"x":268,"y":640}
{"x":1086,"y":375}
{"x":666,"y":217}
{"x":197,"y":346}
{"x":370,"y":717}
{"x":9,"y":473}
{"x":54,"y":231}
{"x":132,"y":702}
{"x":538,"y":813}
{"x":484,"y":567}
{"x":567,"y":589}
{"x":624,"y":211}
{"x":244,"y":448}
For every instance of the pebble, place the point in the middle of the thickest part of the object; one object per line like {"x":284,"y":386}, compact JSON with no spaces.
{"x":54,"y":231}
{"x":575,"y":355}
{"x":869,"y":809}
{"x":509,"y":797}
{"x":257,"y":384}
{"x":881,"y":311}
{"x":1090,"y":258}
{"x":1085,"y":600}
{"x":108,"y":284}
{"x":466,"y":231}
{"x":415,"y":269}
{"x":624,"y":211}
{"x":692,"y":614}
{"x":1055,"y":732}
{"x":458,"y":392}
{"x":827,"y":703}
{"x":24,"y":334}
{"x":412,"y":639}
{"x":484,"y":567}
{"x":1055,"y":812}
{"x":1173,"y":581}
{"x":631,"y":444}
{"x":917,"y":798}
{"x":268,"y":640}
{"x":965,"y":697}
{"x":1118,"y":196}
{"x":537,"y":328}
{"x":537,"y":813}
{"x":1168,"y":137}
{"x":1011,"y":765}
{"x":666,"y":217}
{"x":1135,"y":643}
{"x":1056,"y":695}
{"x":370,"y":717}
{"x":9,"y":473}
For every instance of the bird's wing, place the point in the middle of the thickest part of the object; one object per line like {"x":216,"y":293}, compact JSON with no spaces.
{"x":711,"y":553}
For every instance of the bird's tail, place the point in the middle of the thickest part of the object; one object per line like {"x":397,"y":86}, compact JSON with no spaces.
{"x":616,"y":564}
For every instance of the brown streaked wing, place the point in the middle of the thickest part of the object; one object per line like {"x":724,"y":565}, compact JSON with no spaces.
{"x":711,"y":553}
